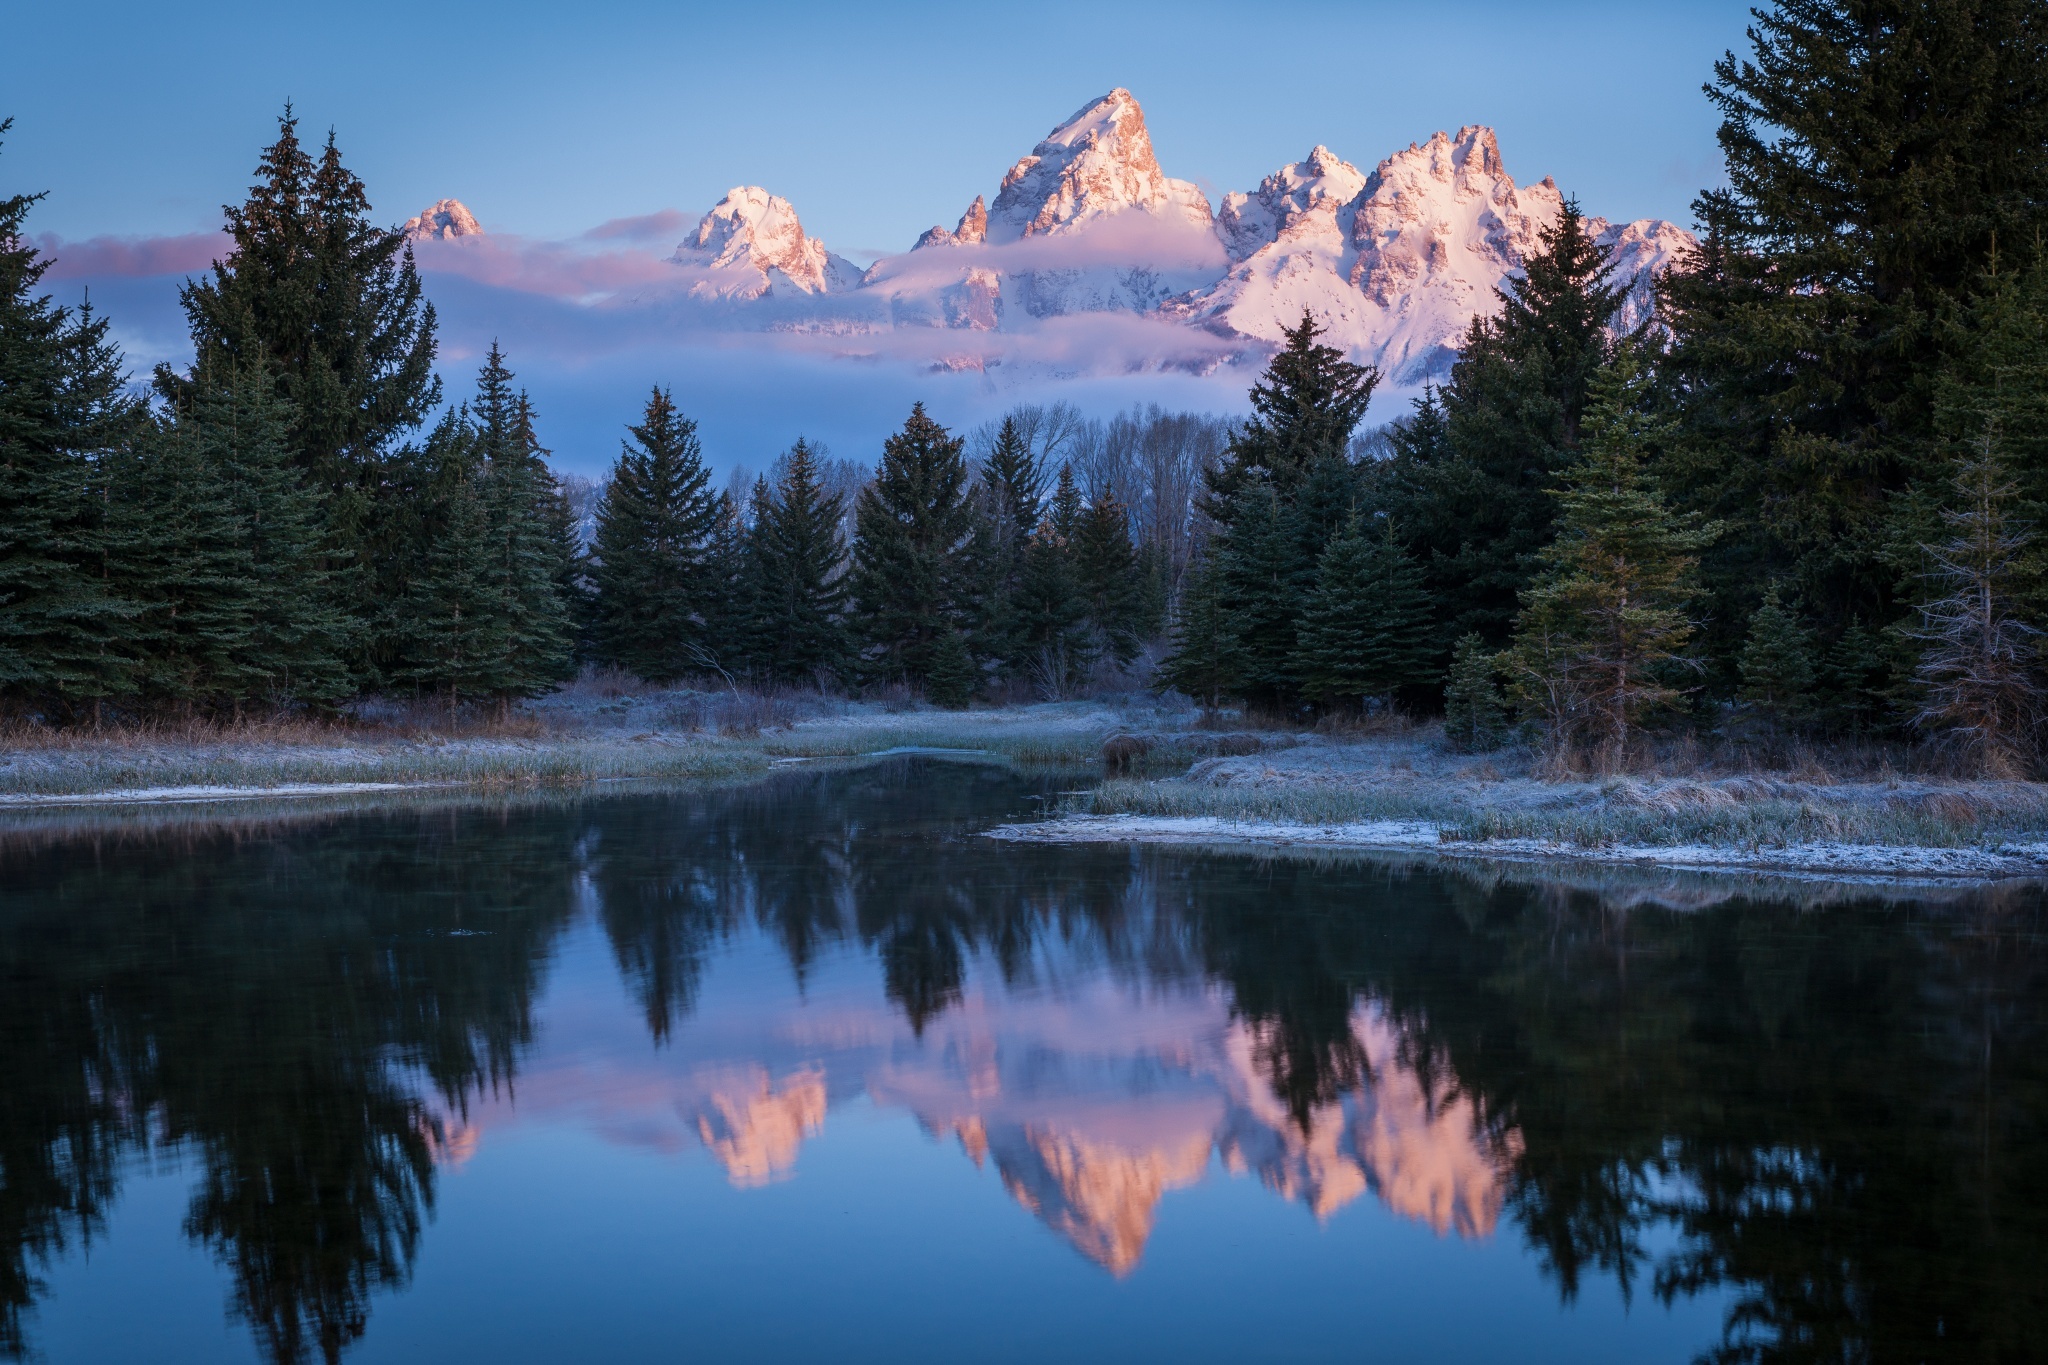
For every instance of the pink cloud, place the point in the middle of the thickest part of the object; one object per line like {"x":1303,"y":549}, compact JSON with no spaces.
{"x":665,"y":225}
{"x":132,"y":256}
{"x":554,"y":269}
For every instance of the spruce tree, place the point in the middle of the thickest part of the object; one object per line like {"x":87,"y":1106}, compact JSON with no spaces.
{"x":64,"y":637}
{"x":1878,"y":155}
{"x":1604,"y":629}
{"x":1474,"y":462}
{"x":450,"y":630}
{"x":1980,"y":669}
{"x":1011,"y":494}
{"x":650,"y":557}
{"x":1777,"y":664}
{"x":1051,"y":610}
{"x":1114,"y":584}
{"x":330,"y":304}
{"x":914,"y":576}
{"x":526,"y":555}
{"x":1474,"y":718}
{"x":1261,"y":590}
{"x":1203,"y":660}
{"x":239,"y":605}
{"x":1365,"y":631}
{"x":954,"y":678}
{"x":801,"y":603}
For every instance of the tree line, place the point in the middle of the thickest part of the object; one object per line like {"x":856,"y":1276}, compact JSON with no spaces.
{"x":1797,"y":501}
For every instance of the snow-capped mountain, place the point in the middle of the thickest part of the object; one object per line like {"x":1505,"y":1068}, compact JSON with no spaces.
{"x":750,"y":245}
{"x":444,"y":221}
{"x":1395,"y":263}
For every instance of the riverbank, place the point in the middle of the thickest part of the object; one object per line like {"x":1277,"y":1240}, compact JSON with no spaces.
{"x":1169,"y":779}
{"x":560,"y":741}
{"x":1403,"y":790}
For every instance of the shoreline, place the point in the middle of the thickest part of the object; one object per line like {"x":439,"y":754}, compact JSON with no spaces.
{"x":1832,"y":861}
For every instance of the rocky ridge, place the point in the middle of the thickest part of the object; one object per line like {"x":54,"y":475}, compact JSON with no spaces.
{"x":1396,"y":262}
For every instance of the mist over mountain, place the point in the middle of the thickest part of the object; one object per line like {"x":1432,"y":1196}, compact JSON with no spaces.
{"x":1090,"y":260}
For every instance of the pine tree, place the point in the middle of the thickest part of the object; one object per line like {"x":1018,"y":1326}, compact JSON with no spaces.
{"x":1474,"y":462}
{"x":1474,"y":717}
{"x":1304,"y":410}
{"x":450,"y":631}
{"x":801,"y":603}
{"x":1855,"y":678}
{"x":64,"y":638}
{"x":1981,"y":668}
{"x":230,"y":561}
{"x":1777,"y":664}
{"x":1365,"y":630}
{"x":650,"y":558}
{"x":526,"y":557}
{"x":1051,"y":612}
{"x":1876,"y":155}
{"x":914,"y":573}
{"x":1010,"y":500}
{"x":1203,"y":660}
{"x":1261,"y":591}
{"x":1603,"y":629}
{"x":954,"y":679}
{"x":330,"y":304}
{"x":1115,"y":586}
{"x":570,"y":566}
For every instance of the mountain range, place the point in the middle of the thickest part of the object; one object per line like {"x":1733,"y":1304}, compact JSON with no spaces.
{"x":1395,"y":262}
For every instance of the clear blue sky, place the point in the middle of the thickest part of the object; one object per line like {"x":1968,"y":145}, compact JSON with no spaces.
{"x":876,"y":120}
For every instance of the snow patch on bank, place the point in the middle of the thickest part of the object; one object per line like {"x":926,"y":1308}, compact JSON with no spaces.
{"x":1829,"y":860}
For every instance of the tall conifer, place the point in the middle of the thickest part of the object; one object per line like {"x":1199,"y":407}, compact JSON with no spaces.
{"x":650,"y":558}
{"x":914,"y":580}
{"x":800,"y":609}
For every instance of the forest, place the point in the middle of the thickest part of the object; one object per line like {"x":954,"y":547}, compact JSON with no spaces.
{"x":1799,"y":501}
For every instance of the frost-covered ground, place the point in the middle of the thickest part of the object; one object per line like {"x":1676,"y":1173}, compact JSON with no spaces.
{"x":1407,"y":792}
{"x":1175,"y":781}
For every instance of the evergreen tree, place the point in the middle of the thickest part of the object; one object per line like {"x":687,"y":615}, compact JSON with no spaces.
{"x":1304,"y":411}
{"x":650,"y":557}
{"x":1115,"y":585}
{"x":914,"y":572}
{"x":1475,"y":461}
{"x":1051,"y":612}
{"x":1474,"y":717}
{"x":1011,"y":493}
{"x":330,"y":304}
{"x":1855,"y":677}
{"x":449,"y":631}
{"x":1365,"y":630}
{"x":1203,"y":660}
{"x":1261,"y":590}
{"x":1605,"y":626}
{"x":1777,"y":664}
{"x":64,"y":637}
{"x":570,"y":566}
{"x":1877,"y":152}
{"x":801,"y":602}
{"x":526,"y":555}
{"x":730,"y":587}
{"x":954,"y":679}
{"x":230,"y":562}
{"x":1980,"y":669}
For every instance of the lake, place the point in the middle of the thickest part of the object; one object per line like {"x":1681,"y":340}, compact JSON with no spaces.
{"x":810,"y":1070}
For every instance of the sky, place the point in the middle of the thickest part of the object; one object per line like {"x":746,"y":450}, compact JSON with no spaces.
{"x":876,"y":121}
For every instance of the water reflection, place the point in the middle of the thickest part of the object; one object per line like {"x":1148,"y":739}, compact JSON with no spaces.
{"x":1835,"y":1110}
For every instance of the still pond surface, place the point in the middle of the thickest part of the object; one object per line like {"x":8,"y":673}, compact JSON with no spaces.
{"x":810,"y":1071}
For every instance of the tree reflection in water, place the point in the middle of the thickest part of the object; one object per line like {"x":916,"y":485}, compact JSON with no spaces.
{"x":1834,"y":1108}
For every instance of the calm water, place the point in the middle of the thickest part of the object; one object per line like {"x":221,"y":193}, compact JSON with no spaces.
{"x":807,"y":1071}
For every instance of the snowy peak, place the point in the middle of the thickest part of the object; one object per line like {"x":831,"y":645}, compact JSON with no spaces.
{"x":1097,"y":163}
{"x":972,"y":231}
{"x":1323,"y":182}
{"x":446,"y":220}
{"x":751,"y":244}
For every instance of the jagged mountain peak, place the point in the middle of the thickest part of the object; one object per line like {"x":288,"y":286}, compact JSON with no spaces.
{"x":444,"y":220}
{"x":1320,"y":181}
{"x":1098,"y":162}
{"x":972,"y":230}
{"x":752,"y":243}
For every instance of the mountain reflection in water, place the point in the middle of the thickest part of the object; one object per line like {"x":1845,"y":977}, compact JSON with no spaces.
{"x":1828,"y":1114}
